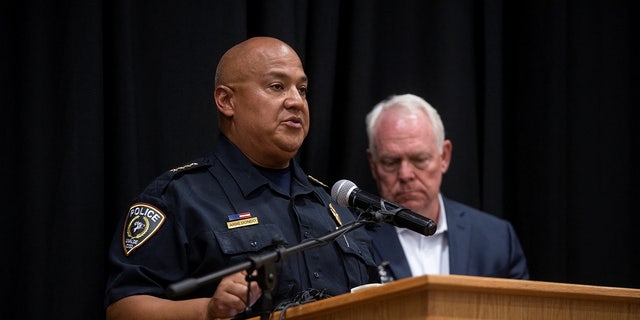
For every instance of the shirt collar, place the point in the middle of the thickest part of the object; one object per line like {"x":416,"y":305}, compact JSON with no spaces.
{"x":247,"y":176}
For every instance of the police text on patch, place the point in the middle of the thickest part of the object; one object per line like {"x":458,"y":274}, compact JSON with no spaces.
{"x":141,"y":223}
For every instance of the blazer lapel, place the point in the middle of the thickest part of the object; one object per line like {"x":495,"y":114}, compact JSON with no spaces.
{"x":459,"y":236}
{"x":388,"y":245}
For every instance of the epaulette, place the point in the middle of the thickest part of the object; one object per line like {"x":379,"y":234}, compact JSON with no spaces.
{"x":159,"y":185}
{"x":317,"y":182}
{"x":200,"y":163}
{"x":186,"y":167}
{"x":332,"y":210}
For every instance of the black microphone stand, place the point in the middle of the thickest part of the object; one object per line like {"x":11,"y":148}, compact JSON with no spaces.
{"x":265,"y":264}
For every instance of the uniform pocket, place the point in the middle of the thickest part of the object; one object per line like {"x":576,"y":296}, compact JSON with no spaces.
{"x":357,"y":260}
{"x":249,"y":239}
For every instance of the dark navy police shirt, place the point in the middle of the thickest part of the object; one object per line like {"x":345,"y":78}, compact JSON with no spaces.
{"x":211,"y":213}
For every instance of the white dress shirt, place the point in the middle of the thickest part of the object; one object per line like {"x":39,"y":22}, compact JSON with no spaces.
{"x":427,"y":254}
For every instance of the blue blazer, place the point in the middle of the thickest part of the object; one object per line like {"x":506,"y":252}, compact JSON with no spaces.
{"x":480,"y":244}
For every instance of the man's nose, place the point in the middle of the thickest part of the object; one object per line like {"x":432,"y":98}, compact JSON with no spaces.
{"x":405,"y":170}
{"x":294,"y":99}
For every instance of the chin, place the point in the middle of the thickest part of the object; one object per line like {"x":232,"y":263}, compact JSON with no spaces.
{"x":289,"y":151}
{"x":411,"y":204}
{"x":292,"y":145}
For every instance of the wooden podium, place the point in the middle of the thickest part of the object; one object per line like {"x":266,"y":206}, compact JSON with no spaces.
{"x":466,"y":297}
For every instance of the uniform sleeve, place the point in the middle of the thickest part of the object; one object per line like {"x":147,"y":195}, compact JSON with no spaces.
{"x":147,"y":252}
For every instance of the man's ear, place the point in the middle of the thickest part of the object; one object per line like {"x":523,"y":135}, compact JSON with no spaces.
{"x":372,"y":165}
{"x":223,"y":97}
{"x":447,"y":149}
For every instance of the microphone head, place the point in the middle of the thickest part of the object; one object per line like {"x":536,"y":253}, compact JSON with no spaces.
{"x":341,"y":190}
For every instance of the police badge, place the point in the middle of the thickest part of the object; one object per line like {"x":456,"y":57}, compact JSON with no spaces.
{"x":142,"y":221}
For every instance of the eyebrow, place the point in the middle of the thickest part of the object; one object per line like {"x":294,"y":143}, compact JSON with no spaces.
{"x":280,"y":74}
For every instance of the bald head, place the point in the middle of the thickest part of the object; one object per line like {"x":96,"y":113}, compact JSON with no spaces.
{"x":260,"y":94}
{"x":241,"y":61}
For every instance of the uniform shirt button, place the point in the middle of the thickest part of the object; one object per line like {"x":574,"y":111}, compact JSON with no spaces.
{"x":316,"y":275}
{"x":306,"y":234}
{"x":253,"y":243}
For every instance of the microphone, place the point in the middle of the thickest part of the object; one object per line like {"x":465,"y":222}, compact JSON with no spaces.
{"x":347,"y":194}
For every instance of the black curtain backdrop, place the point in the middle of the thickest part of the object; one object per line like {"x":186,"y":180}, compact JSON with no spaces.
{"x":540,"y":99}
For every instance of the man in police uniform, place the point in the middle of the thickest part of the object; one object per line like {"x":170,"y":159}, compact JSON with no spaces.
{"x":241,"y":199}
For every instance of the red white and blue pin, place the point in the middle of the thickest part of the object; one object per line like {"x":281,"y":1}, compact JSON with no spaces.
{"x":238,"y":220}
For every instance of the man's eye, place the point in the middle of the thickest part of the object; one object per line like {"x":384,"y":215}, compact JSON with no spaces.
{"x":389,"y":164}
{"x":303,"y":91}
{"x":421,"y":163}
{"x":277,"y":86}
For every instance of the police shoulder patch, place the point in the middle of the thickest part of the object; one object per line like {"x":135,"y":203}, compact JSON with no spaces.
{"x":142,"y":221}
